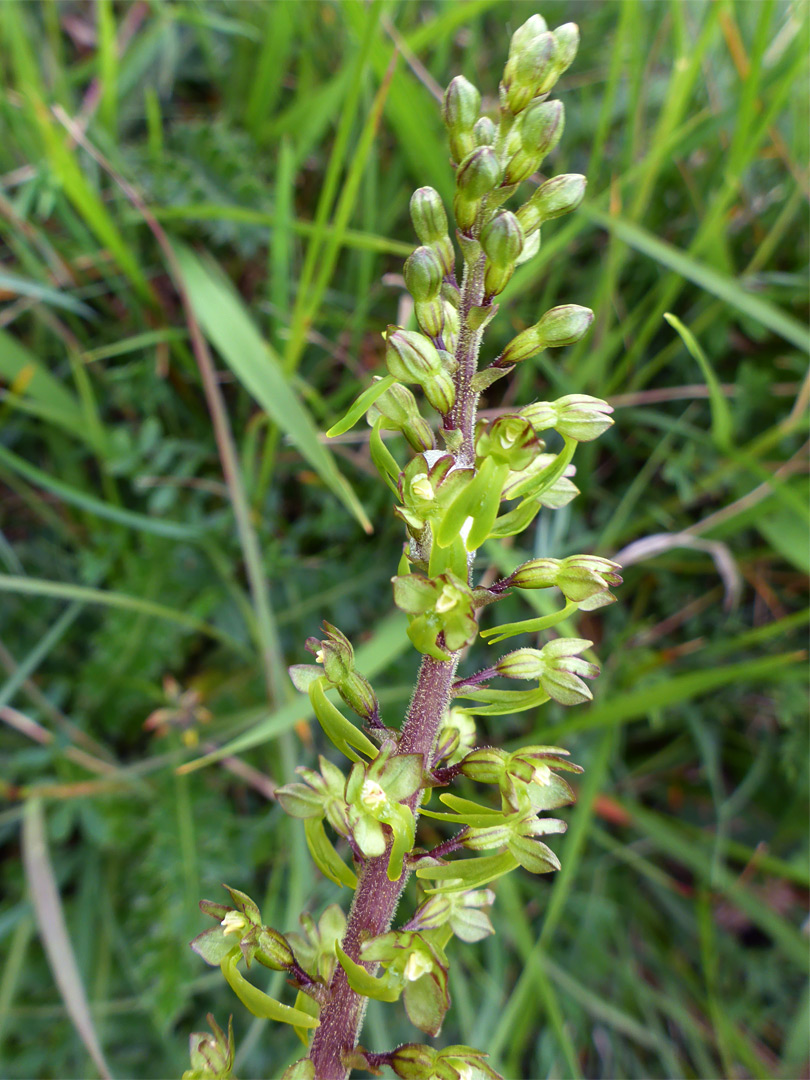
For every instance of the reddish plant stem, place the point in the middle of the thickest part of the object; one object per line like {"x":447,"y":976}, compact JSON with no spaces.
{"x":376,"y":898}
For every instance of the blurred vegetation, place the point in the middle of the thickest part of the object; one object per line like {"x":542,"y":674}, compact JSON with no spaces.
{"x":153,"y":559}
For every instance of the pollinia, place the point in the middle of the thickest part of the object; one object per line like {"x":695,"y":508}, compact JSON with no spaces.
{"x":467,"y":481}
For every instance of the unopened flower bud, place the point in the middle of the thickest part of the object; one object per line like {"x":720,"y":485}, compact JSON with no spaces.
{"x":399,"y":411}
{"x":534,"y":26}
{"x":527,"y":68}
{"x":428,"y":215}
{"x":358,"y":694}
{"x":560,"y":326}
{"x":423,"y":274}
{"x":460,"y":109}
{"x":556,"y":197}
{"x":440,"y":390}
{"x":566,"y":43}
{"x":462,"y":103}
{"x":479,"y":173}
{"x":273,"y":949}
{"x":484,"y":132}
{"x":410,"y":356}
{"x":540,"y":130}
{"x":536,"y":574}
{"x":502,"y":239}
{"x":430,"y":316}
{"x":576,"y":416}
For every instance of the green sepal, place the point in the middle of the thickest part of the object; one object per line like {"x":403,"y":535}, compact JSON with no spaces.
{"x":452,"y":559}
{"x":464,"y":806}
{"x":325,"y":856}
{"x":478,"y":821}
{"x":363,"y":982}
{"x":529,"y":626}
{"x":515,"y":521}
{"x":384,"y":461}
{"x":502,"y":702}
{"x":402,"y":844}
{"x":214,"y":945}
{"x":341,"y":731}
{"x":533,"y":855}
{"x":260,"y":1004}
{"x":360,"y":406}
{"x":468,"y":873}
{"x":426,"y":1001}
{"x":305,"y":1003}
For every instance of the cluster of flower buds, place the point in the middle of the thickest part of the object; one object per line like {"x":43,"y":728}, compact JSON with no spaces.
{"x":537,"y":58}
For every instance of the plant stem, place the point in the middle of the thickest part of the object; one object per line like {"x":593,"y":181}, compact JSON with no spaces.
{"x":376,"y":897}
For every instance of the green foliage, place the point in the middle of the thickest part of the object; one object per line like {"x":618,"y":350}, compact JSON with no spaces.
{"x":675,"y":916}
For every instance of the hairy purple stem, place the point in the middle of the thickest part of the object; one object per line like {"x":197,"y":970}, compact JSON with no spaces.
{"x":376,"y":898}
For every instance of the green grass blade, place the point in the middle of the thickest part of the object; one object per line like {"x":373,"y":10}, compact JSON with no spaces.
{"x":175,"y":530}
{"x":766,"y":313}
{"x":722,"y":425}
{"x":230,"y":329}
{"x":29,"y":586}
{"x":53,"y":930}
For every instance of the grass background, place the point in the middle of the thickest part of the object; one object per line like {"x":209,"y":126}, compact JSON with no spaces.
{"x":203,"y":209}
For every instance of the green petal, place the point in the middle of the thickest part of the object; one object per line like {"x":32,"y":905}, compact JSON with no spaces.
{"x":363,"y":982}
{"x":326,"y":858}
{"x":261,"y":1004}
